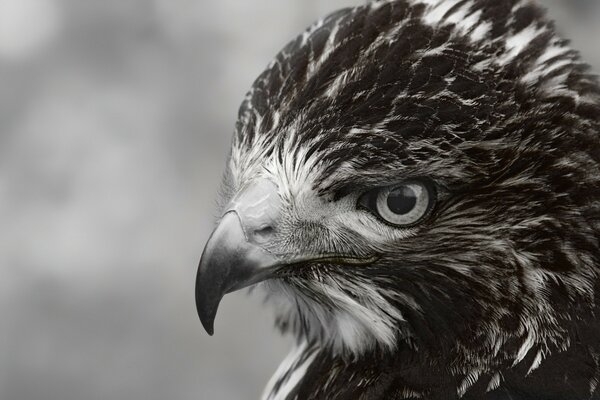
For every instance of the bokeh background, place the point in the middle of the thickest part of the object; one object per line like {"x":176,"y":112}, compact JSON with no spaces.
{"x":115,"y":119}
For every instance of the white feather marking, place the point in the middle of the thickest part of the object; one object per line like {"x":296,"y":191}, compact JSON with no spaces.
{"x":551,"y":52}
{"x":593,"y":385}
{"x":481,"y":31}
{"x":469,"y":381}
{"x":308,"y":33}
{"x":330,"y":46}
{"x":436,"y":15}
{"x":276,"y":118}
{"x":517,"y":43}
{"x":556,"y":65}
{"x":542,"y":71}
{"x":376,"y":4}
{"x":596,"y":378}
{"x":557,"y":86}
{"x":338,"y":83}
{"x":289,"y":373}
{"x":537,"y":361}
{"x":527,"y":345}
{"x":494,"y":382}
{"x":467,"y":23}
{"x":459,"y":17}
{"x":360,"y":326}
{"x":345,"y":324}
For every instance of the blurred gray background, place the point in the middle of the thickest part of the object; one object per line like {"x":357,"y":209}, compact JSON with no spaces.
{"x":115,"y":118}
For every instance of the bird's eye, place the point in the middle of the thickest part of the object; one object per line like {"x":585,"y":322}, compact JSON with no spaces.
{"x":401,"y":205}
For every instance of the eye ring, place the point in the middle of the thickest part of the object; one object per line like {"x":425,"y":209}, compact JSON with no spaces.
{"x":403,"y":205}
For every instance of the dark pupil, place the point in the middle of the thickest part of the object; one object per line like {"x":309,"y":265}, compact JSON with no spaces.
{"x":402,"y":200}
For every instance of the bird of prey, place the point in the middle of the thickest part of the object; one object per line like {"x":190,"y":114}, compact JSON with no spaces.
{"x":416,"y":186}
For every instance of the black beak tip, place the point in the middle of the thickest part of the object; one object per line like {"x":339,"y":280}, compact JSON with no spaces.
{"x":207,"y":311}
{"x":208,"y":322}
{"x":209,"y":328}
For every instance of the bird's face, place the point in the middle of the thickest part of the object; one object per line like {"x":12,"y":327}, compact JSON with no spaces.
{"x":326,"y":252}
{"x":404,"y":188}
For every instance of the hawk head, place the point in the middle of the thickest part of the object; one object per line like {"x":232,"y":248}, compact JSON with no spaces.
{"x":421,"y":174}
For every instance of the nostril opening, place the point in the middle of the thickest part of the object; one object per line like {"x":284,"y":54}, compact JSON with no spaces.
{"x":264,"y":231}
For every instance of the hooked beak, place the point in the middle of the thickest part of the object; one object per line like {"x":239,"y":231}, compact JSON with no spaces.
{"x":229,"y":263}
{"x":235,"y":256}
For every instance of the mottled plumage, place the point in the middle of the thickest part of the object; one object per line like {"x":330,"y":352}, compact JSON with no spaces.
{"x":493,"y":295}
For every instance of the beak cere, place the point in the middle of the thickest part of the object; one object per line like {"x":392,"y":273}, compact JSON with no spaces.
{"x":229,"y":262}
{"x":233,"y":258}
